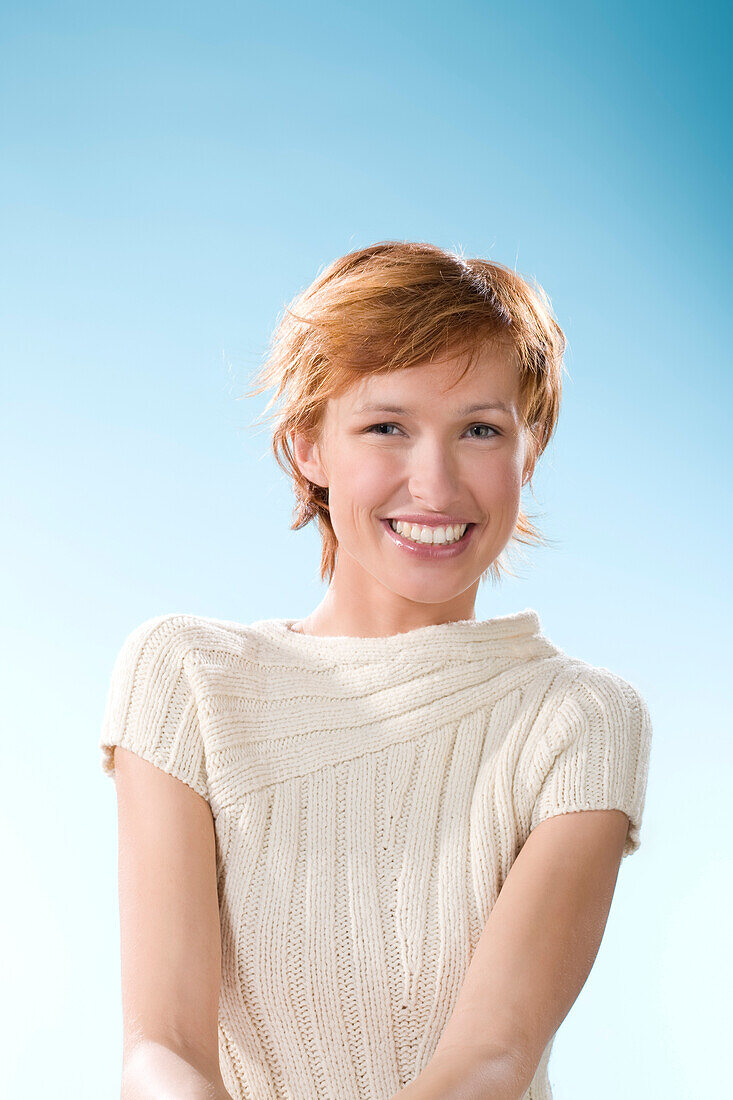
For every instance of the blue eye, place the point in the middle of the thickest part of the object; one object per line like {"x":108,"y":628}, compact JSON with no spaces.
{"x":486,"y":426}
{"x":373,"y":429}
{"x":375,"y":426}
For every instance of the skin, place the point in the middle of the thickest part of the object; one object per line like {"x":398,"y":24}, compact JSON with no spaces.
{"x":170,"y":938}
{"x":433,"y":460}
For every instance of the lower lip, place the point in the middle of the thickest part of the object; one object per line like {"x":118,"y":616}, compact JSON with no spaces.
{"x":426,"y":551}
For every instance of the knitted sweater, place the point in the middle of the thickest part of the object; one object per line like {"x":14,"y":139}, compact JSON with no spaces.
{"x":369,"y":797}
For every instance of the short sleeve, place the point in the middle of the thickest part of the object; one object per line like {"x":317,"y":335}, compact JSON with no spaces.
{"x":150,"y":707}
{"x":596,"y":753}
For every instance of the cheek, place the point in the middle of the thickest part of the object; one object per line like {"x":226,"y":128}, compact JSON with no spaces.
{"x":362,"y":480}
{"x":500,"y":479}
{"x":360,"y":484}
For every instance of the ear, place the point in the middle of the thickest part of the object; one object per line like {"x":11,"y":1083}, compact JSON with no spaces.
{"x":530,"y":460}
{"x":308,"y":457}
{"x":528,"y":471}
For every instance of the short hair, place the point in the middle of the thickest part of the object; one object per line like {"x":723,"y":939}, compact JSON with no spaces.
{"x":393,"y":305}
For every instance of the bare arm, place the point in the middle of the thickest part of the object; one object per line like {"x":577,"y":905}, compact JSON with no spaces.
{"x":154,"y":1070}
{"x":170,"y":936}
{"x":467,"y":1075}
{"x":533,"y":958}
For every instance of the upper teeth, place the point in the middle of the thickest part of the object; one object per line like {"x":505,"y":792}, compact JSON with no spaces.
{"x":451,"y":533}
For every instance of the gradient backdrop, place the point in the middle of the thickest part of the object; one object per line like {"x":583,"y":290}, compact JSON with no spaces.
{"x":172,"y":174}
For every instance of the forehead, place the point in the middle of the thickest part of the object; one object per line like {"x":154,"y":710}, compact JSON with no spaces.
{"x":492,"y":379}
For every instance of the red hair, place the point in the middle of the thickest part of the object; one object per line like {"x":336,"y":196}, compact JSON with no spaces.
{"x":393,"y":305}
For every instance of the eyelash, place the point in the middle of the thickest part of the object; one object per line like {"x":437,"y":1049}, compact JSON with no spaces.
{"x":386,"y":424}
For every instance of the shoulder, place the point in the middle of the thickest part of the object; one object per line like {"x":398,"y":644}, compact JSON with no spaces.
{"x":594,"y":751}
{"x":600,"y":726}
{"x":564,"y":682}
{"x":179,"y":635}
{"x":561,"y":687}
{"x":156,"y":640}
{"x":586,"y":708}
{"x":599,"y":693}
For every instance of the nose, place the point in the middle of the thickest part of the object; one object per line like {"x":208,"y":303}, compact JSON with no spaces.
{"x":432,"y":477}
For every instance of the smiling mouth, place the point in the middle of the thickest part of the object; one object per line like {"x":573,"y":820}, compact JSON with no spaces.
{"x":429,"y":550}
{"x":450,"y":533}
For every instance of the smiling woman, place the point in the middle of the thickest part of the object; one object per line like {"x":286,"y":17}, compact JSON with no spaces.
{"x":431,"y":470}
{"x":387,"y":859}
{"x":410,"y":330}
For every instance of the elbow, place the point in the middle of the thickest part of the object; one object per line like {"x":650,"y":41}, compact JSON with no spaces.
{"x":154,"y":1070}
{"x":465,"y":1072}
{"x":503,"y":1073}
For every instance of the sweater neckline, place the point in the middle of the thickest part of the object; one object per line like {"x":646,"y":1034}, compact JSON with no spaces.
{"x":520,"y":627}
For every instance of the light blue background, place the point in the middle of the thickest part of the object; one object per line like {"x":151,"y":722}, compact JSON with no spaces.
{"x":172,"y":175}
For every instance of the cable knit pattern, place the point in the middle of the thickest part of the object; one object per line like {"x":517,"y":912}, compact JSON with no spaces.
{"x":369,"y":796}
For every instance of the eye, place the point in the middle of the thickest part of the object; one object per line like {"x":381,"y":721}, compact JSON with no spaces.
{"x":373,"y":429}
{"x":490,"y":429}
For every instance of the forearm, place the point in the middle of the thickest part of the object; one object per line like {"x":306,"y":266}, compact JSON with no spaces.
{"x":153,"y":1071}
{"x":461,"y":1074}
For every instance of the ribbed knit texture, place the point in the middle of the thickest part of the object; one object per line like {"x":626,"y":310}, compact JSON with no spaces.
{"x":370,"y":796}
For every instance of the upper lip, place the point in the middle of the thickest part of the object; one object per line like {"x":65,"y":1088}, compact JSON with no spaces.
{"x":432,"y":520}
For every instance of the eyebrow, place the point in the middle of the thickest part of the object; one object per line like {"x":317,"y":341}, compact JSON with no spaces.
{"x":399,"y":411}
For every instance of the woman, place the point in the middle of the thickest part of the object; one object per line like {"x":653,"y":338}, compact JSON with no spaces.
{"x":356,"y":857}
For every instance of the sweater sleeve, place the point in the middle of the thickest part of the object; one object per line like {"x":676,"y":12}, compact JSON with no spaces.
{"x":596,"y":753}
{"x":150,"y":707}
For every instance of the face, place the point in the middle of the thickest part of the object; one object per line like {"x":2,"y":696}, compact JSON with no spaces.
{"x":432,"y":461}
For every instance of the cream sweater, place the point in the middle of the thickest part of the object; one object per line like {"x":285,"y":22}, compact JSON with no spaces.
{"x":370,"y":796}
